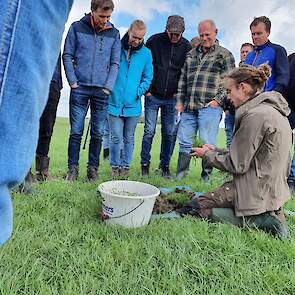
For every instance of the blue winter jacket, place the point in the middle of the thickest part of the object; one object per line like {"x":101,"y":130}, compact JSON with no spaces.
{"x":91,"y":57}
{"x":133,"y":81}
{"x":276,"y":57}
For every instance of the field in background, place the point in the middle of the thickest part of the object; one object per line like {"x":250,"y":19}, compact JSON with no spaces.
{"x":59,"y":245}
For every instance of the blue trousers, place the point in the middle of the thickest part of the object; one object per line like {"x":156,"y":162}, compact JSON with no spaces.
{"x":152,"y":106}
{"x":122,"y":135}
{"x":229,"y":123}
{"x":98,"y":103}
{"x":30,"y":34}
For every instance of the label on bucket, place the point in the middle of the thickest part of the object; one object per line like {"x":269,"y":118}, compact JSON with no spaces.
{"x":107,"y":209}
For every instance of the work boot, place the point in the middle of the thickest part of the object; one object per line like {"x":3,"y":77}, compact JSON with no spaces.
{"x":106,"y":153}
{"x":91,"y":173}
{"x":72,"y":174}
{"x":206,"y":171}
{"x":42,"y":165}
{"x":125,"y":172}
{"x":270,"y":222}
{"x":26,"y":187}
{"x":115,"y":172}
{"x":145,"y":169}
{"x":165,"y":172}
{"x":183,"y":165}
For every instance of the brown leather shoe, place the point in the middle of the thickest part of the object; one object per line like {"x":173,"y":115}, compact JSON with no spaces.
{"x":42,"y":166}
{"x":91,"y":174}
{"x":72,"y":174}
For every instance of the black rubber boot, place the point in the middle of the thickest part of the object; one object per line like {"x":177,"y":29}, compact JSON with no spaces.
{"x":206,"y":171}
{"x":269,"y":223}
{"x":26,"y":187}
{"x":106,"y":153}
{"x":183,"y":165}
{"x":145,"y":169}
{"x":42,"y":166}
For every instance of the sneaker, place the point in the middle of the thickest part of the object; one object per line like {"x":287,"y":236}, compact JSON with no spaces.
{"x":72,"y":174}
{"x":91,"y":174}
{"x":106,"y":153}
{"x":165,"y":172}
{"x":145,"y":169}
{"x":115,"y":172}
{"x":124,"y":172}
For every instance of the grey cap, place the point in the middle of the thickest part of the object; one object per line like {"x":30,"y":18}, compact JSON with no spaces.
{"x":175,"y":24}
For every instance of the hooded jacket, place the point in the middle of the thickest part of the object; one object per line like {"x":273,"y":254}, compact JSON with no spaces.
{"x":91,"y":57}
{"x":168,"y":59}
{"x":276,"y":57}
{"x":133,"y":81}
{"x":259,"y":156}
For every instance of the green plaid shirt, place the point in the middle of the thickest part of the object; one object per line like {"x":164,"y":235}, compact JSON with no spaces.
{"x":201,"y":76}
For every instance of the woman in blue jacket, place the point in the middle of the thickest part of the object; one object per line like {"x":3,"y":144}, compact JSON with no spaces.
{"x":133,"y":81}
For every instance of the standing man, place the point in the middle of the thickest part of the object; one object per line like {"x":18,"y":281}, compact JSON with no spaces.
{"x":290,"y":97}
{"x":169,"y":50}
{"x":47,"y":122}
{"x":272,"y":54}
{"x":200,"y":93}
{"x":91,"y":60}
{"x":228,"y":107}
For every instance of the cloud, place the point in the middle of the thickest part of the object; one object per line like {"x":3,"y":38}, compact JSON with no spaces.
{"x":142,"y":9}
{"x":233,"y":17}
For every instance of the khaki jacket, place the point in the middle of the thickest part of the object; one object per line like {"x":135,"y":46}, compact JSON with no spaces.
{"x":259,"y":156}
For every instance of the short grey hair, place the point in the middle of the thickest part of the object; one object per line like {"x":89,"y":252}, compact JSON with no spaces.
{"x":209,"y":21}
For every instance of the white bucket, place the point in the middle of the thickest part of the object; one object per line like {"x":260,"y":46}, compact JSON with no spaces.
{"x":132,"y":209}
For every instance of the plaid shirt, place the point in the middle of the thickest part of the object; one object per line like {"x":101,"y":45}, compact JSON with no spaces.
{"x":201,"y":76}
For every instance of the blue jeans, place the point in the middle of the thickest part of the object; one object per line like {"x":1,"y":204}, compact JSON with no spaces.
{"x":206,"y":122}
{"x":122,"y":134}
{"x":291,"y":177}
{"x":106,"y":134}
{"x":229,"y":122}
{"x":78,"y":109}
{"x":152,"y":106}
{"x":30,"y":38}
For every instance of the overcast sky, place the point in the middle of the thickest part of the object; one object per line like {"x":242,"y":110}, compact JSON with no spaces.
{"x":232,"y":18}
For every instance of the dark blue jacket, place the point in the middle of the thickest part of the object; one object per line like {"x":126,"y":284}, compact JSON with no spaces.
{"x":276,"y":57}
{"x":57,"y":78}
{"x":92,"y":58}
{"x":168,"y":59}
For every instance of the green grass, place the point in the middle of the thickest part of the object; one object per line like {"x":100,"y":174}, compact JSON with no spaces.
{"x":59,"y":246}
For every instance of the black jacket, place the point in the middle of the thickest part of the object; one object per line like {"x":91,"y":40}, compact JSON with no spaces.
{"x":168,"y":59}
{"x":290,"y":93}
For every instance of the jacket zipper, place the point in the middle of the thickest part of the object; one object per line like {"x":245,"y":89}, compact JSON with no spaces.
{"x":256,"y":57}
{"x":93,"y":60}
{"x":170,"y":63}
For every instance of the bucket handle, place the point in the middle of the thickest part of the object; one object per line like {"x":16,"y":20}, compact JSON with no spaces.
{"x":105,"y":216}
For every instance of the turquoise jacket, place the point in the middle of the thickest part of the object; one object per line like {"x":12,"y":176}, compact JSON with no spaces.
{"x":133,"y":81}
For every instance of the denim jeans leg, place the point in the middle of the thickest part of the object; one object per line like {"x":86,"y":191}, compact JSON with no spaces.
{"x":106,"y":134}
{"x":128,"y":140}
{"x":229,"y":122}
{"x":98,"y":107}
{"x":116,"y":129}
{"x":29,"y":50}
{"x":167,"y":124}
{"x":150,"y":121}
{"x":79,"y":98}
{"x":188,"y":127}
{"x":208,"y":122}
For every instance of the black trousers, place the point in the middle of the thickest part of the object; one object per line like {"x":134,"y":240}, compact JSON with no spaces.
{"x":47,"y":120}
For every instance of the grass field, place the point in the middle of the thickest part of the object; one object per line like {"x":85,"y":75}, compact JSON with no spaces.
{"x":59,"y":245}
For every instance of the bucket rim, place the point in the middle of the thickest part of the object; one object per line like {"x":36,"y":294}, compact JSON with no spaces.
{"x":102,"y":190}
